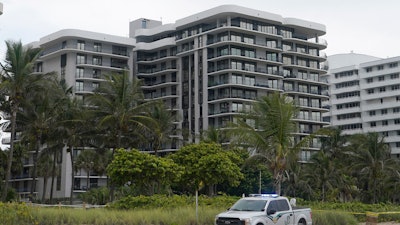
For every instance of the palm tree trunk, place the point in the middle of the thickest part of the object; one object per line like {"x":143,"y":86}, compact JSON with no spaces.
{"x":10,"y":155}
{"x":71,"y":198}
{"x":35,"y":157}
{"x":44,"y":188}
{"x":87,"y":179}
{"x":53,"y":174}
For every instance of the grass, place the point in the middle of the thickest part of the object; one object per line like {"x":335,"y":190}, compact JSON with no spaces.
{"x":177,"y":216}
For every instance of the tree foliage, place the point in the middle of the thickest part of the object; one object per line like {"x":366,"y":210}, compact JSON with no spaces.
{"x":147,"y":172}
{"x":207,"y":164}
{"x":267,"y":131}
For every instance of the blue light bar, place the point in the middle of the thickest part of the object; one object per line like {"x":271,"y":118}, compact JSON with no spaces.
{"x":264,"y":195}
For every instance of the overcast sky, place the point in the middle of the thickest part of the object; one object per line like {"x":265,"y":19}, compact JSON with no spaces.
{"x":362,"y":26}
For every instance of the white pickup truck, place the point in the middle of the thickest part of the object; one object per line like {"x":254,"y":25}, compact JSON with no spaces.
{"x":264,"y":210}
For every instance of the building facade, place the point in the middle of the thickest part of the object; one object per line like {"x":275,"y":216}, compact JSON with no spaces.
{"x":81,"y":58}
{"x":365,"y":97}
{"x":206,"y":68}
{"x":210,"y":66}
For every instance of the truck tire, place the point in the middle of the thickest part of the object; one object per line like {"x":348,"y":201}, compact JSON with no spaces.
{"x":302,"y":222}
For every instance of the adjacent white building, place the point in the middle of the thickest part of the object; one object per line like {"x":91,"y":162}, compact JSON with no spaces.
{"x":81,"y":58}
{"x":365,"y":96}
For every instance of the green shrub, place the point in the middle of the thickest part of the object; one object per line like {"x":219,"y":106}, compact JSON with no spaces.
{"x":169,"y":202}
{"x":96,"y":196}
{"x":15,"y":213}
{"x":333,"y":218}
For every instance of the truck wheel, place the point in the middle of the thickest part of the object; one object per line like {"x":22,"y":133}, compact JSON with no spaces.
{"x":302,"y":222}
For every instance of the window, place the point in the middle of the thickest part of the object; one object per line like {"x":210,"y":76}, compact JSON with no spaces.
{"x":382,"y":89}
{"x":369,"y":69}
{"x":237,"y":107}
{"x":384,"y":111}
{"x":78,"y":86}
{"x":397,"y":121}
{"x":384,"y":123}
{"x":236,"y":65}
{"x":97,"y":47}
{"x":96,"y":73}
{"x":80,"y":59}
{"x":303,"y":101}
{"x":373,"y":124}
{"x":381,"y":78}
{"x":80,"y":45}
{"x":95,"y":85}
{"x":396,"y":110}
{"x":370,"y":80}
{"x":248,"y":80}
{"x":79,"y":72}
{"x":119,"y":50}
{"x":394,"y":76}
{"x":370,"y":91}
{"x":371,"y":113}
{"x":237,"y":79}
{"x":380,"y":67}
{"x":97,"y":60}
{"x":392,"y":65}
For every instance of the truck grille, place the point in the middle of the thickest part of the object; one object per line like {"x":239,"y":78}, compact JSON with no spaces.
{"x":229,"y":221}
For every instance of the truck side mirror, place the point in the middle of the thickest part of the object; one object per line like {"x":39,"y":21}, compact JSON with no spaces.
{"x":271,"y":211}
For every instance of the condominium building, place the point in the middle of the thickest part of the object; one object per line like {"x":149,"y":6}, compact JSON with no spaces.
{"x":210,"y":66}
{"x":365,"y":97}
{"x":206,"y":68}
{"x":81,"y":58}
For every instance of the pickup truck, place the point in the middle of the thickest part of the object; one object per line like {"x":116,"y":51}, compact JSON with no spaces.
{"x":264,"y":210}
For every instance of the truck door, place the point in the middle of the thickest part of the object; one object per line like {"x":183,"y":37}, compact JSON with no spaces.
{"x":279,"y":212}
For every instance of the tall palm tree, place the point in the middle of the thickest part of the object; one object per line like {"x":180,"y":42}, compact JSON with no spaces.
{"x":16,"y":82}
{"x":371,"y":163}
{"x":38,"y":118}
{"x":161,"y":127}
{"x":120,"y":111}
{"x":74,"y":129}
{"x":268,"y":132}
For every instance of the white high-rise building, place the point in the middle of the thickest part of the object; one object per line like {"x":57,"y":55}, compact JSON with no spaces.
{"x":365,"y":96}
{"x":210,"y":66}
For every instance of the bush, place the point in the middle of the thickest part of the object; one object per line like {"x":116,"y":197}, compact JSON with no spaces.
{"x":333,"y":218}
{"x":170,"y":202}
{"x":15,"y":213}
{"x":96,"y":196}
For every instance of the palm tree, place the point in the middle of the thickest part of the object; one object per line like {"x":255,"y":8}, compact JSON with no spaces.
{"x":44,"y":163}
{"x":90,"y":161}
{"x":16,"y":82}
{"x":371,"y":163}
{"x":74,"y":128}
{"x":38,"y":117}
{"x":161,"y":127}
{"x":268,"y":132}
{"x":120,"y":110}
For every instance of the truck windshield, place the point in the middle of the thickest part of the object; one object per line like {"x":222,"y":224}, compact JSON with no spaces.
{"x":249,"y":205}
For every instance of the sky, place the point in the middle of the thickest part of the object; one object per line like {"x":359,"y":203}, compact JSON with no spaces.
{"x":361,"y":26}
